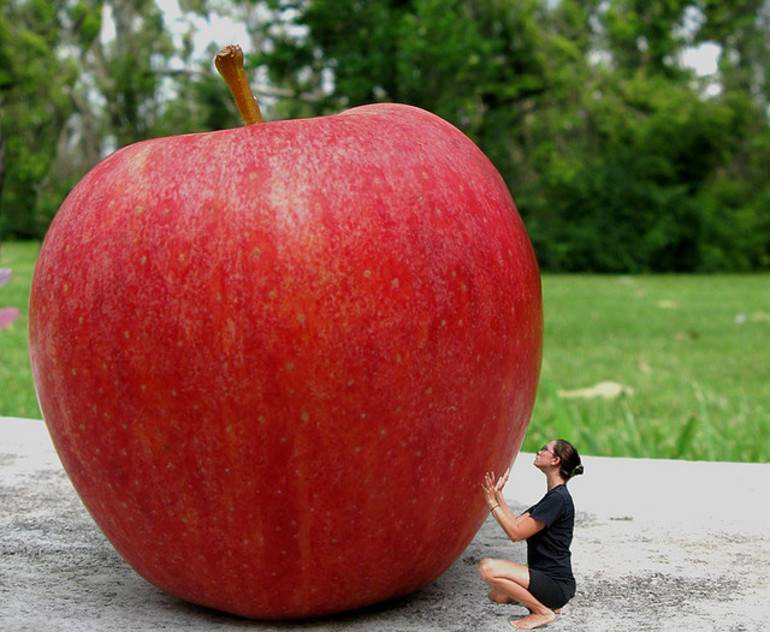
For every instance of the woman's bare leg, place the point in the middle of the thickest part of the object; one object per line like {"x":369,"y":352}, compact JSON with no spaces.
{"x":512,"y":580}
{"x":500,"y":597}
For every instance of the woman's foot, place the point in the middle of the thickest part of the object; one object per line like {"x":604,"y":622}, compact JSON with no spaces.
{"x":532,"y":621}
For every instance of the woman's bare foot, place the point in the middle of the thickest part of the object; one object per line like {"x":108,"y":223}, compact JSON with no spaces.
{"x":555,"y":610}
{"x":532,"y":621}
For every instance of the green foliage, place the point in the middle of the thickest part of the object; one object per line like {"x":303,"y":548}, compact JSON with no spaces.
{"x":69,"y":99}
{"x":616,"y":166}
{"x":202,"y":103}
{"x":645,"y":34}
{"x":626,"y":199}
{"x":619,"y":158}
{"x":34,"y":101}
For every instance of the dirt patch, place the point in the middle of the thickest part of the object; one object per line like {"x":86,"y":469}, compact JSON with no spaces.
{"x":656,"y":590}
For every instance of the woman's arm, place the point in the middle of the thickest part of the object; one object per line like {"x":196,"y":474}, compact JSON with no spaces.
{"x":516,"y":527}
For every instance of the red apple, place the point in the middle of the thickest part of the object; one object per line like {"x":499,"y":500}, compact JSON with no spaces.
{"x":276,"y":361}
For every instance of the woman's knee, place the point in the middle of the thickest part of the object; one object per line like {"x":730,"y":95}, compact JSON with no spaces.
{"x":487,"y":568}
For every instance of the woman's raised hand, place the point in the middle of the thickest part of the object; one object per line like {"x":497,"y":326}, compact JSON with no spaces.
{"x":493,"y":491}
{"x":490,"y":490}
{"x":502,"y":481}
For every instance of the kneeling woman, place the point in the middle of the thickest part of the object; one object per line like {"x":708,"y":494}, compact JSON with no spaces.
{"x":546,"y":583}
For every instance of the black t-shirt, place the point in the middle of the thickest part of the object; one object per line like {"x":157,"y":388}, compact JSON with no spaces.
{"x":548,"y":550}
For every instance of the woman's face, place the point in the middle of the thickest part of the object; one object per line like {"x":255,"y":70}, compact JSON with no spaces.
{"x":545,"y":456}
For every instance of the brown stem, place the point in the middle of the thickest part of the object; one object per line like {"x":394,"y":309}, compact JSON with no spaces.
{"x":229,"y":63}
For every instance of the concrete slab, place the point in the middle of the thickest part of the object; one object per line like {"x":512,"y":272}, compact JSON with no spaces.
{"x":659,"y":545}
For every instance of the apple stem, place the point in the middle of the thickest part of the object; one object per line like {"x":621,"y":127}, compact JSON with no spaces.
{"x":229,"y":63}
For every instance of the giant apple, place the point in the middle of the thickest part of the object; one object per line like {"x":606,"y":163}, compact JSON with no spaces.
{"x":276,"y":361}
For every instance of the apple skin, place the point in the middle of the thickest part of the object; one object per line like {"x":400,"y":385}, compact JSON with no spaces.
{"x":276,"y":361}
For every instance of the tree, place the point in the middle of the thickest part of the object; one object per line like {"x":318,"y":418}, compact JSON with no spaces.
{"x":70,"y":96}
{"x":736,"y":204}
{"x":617,"y":157}
{"x":612,"y":163}
{"x":645,"y":34}
{"x":35,"y":83}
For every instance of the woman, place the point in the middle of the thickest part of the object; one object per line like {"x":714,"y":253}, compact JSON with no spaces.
{"x":546,"y":583}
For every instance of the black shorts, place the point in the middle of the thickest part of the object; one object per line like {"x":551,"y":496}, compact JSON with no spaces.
{"x":547,"y":591}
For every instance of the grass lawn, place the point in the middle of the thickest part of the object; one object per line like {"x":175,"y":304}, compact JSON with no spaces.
{"x":694,"y":349}
{"x":17,"y":396}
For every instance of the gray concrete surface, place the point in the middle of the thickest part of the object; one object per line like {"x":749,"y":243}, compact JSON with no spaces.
{"x":659,"y":545}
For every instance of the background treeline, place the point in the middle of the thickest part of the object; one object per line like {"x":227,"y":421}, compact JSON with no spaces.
{"x":620,"y":158}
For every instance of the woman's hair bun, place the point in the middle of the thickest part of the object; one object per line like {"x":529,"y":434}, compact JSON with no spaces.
{"x":570,"y":459}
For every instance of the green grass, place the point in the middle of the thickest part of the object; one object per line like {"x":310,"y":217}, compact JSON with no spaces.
{"x":701,"y":381}
{"x":17,"y":396}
